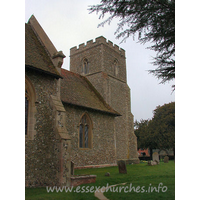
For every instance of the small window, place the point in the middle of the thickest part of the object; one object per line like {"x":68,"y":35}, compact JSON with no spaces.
{"x":116,"y":67}
{"x":85,"y":66}
{"x":85,"y":132}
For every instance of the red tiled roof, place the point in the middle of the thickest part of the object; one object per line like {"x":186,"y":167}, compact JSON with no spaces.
{"x":36,"y":56}
{"x":77,"y":90}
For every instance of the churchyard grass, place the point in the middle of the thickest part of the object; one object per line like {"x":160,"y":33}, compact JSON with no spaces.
{"x":142,"y":182}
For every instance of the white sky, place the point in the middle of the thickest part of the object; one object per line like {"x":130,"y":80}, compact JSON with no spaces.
{"x":68,"y":24}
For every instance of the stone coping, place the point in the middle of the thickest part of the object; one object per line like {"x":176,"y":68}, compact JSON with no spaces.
{"x":83,"y":176}
{"x":95,"y":166}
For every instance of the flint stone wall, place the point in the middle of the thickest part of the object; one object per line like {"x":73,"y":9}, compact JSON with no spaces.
{"x":103,"y":139}
{"x":41,"y":153}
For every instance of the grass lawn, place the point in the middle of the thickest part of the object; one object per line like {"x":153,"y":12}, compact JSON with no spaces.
{"x":142,"y":182}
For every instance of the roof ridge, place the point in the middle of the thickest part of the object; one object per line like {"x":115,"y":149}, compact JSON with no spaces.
{"x":66,"y":70}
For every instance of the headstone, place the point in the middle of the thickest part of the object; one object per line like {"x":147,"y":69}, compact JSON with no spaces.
{"x":166,"y":159}
{"x":107,"y":174}
{"x":72,"y":168}
{"x":151,"y":163}
{"x":122,"y":166}
{"x":156,"y":157}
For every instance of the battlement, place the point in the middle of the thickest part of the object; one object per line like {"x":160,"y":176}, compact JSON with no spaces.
{"x":98,"y":41}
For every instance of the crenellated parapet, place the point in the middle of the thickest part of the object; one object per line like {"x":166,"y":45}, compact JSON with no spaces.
{"x":90,"y":44}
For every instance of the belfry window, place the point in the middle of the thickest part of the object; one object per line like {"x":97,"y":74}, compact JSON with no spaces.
{"x":85,"y":132}
{"x":85,"y":66}
{"x":116,"y":67}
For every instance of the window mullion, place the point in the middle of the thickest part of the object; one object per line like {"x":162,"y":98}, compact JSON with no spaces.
{"x":83,"y":135}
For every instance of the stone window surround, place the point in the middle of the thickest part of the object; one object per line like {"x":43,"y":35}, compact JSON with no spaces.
{"x":85,"y":66}
{"x":116,"y":67}
{"x":90,"y":135}
{"x":31,"y":96}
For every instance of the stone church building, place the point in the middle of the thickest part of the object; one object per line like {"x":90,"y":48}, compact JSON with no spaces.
{"x":82,"y":115}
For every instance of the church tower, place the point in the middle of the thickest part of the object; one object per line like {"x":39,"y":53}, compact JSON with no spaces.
{"x":104,"y":65}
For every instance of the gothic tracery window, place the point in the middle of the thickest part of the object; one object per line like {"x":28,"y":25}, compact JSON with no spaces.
{"x":85,"y":131}
{"x":26,"y":111}
{"x":30,"y":109}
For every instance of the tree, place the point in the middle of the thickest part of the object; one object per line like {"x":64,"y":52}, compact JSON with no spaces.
{"x":141,"y":131}
{"x":159,"y":132}
{"x":153,"y":21}
{"x":163,"y":125}
{"x":145,"y":138}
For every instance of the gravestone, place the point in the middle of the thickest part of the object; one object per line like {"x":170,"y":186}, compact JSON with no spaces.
{"x":156,"y":157}
{"x":166,"y":159}
{"x":151,"y":163}
{"x":72,"y":168}
{"x":122,"y":166}
{"x":107,"y":174}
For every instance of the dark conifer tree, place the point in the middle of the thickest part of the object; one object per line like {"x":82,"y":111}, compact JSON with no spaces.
{"x":153,"y":21}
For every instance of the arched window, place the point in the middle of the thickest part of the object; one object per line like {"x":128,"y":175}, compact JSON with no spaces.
{"x":30,"y":109}
{"x":116,"y":67}
{"x":26,"y":110}
{"x":85,"y":132}
{"x":85,"y":66}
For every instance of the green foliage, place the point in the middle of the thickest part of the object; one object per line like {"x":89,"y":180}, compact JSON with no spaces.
{"x":163,"y":124}
{"x":153,"y":21}
{"x":159,"y":132}
{"x":141,"y":130}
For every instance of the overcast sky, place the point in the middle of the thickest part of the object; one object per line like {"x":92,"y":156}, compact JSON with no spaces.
{"x":68,"y":24}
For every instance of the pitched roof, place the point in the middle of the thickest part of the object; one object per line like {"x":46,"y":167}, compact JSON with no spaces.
{"x":77,"y":90}
{"x":36,"y":56}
